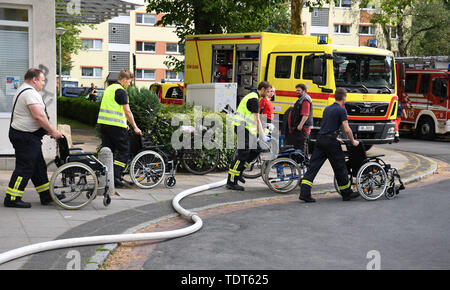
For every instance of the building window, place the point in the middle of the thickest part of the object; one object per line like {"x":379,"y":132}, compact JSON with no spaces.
{"x":173,"y":76}
{"x":149,"y":47}
{"x":14,"y":54}
{"x":344,"y":4}
{"x":92,"y":44}
{"x":91,"y":72}
{"x":174,"y":48}
{"x":342,"y":29}
{"x":145,"y":74}
{"x":393,"y":32}
{"x":146,"y":19}
{"x":367,"y":30}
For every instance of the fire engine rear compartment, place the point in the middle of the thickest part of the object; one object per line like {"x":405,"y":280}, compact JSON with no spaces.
{"x":237,"y":63}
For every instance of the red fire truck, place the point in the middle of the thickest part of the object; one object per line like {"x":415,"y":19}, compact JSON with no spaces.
{"x":423,"y":90}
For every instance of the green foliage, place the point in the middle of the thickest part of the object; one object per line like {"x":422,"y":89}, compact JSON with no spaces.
{"x":78,"y":109}
{"x":70,"y":42}
{"x":213,"y":17}
{"x":396,"y":13}
{"x":169,"y":112}
{"x":431,"y":29}
{"x":140,"y":100}
{"x":280,"y":20}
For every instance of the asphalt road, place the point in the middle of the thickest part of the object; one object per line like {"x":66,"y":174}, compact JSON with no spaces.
{"x":439,"y":149}
{"x":410,"y":232}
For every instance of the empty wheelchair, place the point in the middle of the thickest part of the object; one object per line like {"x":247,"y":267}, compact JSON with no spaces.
{"x":75,"y":183}
{"x":283,"y":174}
{"x":371,"y":176}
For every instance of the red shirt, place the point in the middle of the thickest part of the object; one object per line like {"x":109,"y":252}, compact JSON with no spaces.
{"x":305,"y":111}
{"x":266,"y":108}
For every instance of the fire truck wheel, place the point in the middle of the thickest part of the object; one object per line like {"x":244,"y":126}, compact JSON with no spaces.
{"x":426,"y":129}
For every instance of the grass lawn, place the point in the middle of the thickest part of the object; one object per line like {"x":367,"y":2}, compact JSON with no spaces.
{"x":73,"y":124}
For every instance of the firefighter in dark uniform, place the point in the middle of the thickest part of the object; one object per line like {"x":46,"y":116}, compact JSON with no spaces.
{"x":29,"y":124}
{"x":113,"y":116}
{"x":329,"y":147}
{"x":247,"y":125}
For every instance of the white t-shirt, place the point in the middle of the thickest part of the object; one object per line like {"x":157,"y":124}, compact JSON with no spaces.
{"x":23,"y":120}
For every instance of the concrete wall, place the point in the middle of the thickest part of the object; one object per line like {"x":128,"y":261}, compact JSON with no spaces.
{"x":43,"y":56}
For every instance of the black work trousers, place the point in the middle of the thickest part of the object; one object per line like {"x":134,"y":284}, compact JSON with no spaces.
{"x":299,"y":139}
{"x":30,"y":163}
{"x":327,"y":147}
{"x":248,"y":150}
{"x":116,"y":139}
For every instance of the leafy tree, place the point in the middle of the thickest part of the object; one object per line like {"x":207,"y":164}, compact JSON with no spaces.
{"x":431,"y":29}
{"x":397,"y":13}
{"x":280,"y":20}
{"x":208,"y":17}
{"x":70,"y":42}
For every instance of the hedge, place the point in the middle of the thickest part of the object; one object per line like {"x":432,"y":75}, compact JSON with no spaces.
{"x":79,"y":109}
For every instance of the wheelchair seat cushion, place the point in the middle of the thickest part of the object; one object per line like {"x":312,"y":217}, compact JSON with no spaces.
{"x":287,"y":149}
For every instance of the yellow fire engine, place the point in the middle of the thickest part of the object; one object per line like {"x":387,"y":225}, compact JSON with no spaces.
{"x":368,"y":74}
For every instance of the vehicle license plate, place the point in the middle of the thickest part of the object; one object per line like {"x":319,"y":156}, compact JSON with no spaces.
{"x":366,"y":128}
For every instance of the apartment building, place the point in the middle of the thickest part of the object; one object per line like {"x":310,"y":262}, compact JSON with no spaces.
{"x":113,"y":44}
{"x":347,"y":24}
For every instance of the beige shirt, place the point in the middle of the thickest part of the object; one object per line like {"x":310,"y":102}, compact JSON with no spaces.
{"x":22,"y":119}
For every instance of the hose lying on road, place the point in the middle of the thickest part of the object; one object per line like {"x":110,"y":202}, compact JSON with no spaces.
{"x":87,"y":241}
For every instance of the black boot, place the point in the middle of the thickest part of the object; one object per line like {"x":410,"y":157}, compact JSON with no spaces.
{"x":349,"y":194}
{"x":16,"y":203}
{"x":307,"y":199}
{"x":233,"y":185}
{"x":45,"y":198}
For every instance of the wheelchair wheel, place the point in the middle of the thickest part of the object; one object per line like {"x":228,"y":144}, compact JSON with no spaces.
{"x":73,"y":186}
{"x":147,"y":169}
{"x":371,"y":181}
{"x":254,"y":169}
{"x":283,"y":175}
{"x":336,"y":185}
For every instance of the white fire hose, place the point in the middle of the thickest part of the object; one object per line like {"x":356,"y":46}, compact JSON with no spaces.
{"x":87,"y":241}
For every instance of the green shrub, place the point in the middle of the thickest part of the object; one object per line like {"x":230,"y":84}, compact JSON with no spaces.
{"x":140,"y":100}
{"x":169,"y":112}
{"x":78,"y":109}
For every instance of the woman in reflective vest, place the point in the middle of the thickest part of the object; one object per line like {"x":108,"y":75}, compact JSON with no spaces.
{"x":113,"y":116}
{"x":247,"y":125}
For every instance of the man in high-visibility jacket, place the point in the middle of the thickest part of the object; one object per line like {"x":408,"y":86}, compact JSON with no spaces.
{"x":247,"y":125}
{"x":113,"y":116}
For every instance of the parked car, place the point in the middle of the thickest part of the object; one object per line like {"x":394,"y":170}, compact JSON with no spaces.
{"x":168,"y":93}
{"x":74,"y":92}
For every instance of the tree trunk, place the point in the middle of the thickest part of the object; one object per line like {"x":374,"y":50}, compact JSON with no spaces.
{"x":387,"y":36}
{"x":296,"y":15}
{"x":402,"y":50}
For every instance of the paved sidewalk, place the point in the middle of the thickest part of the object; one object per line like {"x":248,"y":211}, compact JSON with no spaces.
{"x":21,"y":227}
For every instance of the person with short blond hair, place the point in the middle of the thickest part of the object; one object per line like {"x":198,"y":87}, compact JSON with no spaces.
{"x":113,"y":117}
